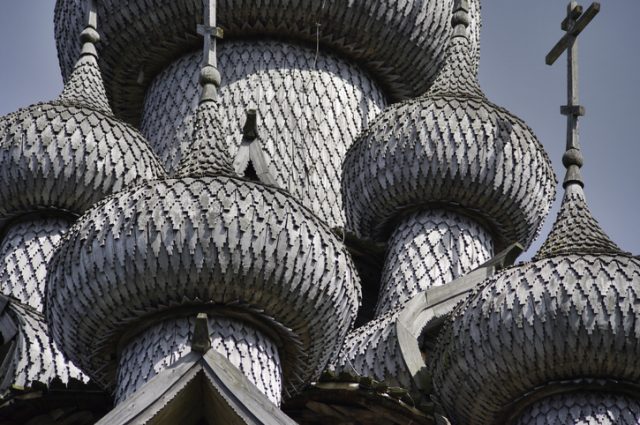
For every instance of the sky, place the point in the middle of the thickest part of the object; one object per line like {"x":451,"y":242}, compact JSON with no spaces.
{"x":516,"y":37}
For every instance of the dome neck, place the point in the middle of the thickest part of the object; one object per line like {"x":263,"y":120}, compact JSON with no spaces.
{"x":459,"y":77}
{"x":85,"y":86}
{"x":209,"y":154}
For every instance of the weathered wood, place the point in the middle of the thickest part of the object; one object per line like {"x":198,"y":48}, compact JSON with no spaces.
{"x":497,"y":349}
{"x":449,"y":150}
{"x":400,"y":44}
{"x":77,"y":132}
{"x":160,"y":346}
{"x":574,"y":25}
{"x":254,"y":246}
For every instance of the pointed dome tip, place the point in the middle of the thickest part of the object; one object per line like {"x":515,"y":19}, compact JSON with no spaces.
{"x":459,"y":77}
{"x":85,"y":87}
{"x":575,"y":230}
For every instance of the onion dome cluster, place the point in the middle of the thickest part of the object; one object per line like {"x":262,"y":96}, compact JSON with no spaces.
{"x":310,"y":105}
{"x":201,"y":242}
{"x":69,"y":153}
{"x":402,"y":42}
{"x":316,"y":72}
{"x":444,"y":180}
{"x":147,"y":260}
{"x":536,"y":337}
{"x":450,"y":148}
{"x":57,"y":159}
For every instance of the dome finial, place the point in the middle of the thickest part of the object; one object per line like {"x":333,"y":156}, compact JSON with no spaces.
{"x":85,"y":86}
{"x":575,"y":22}
{"x":209,"y":75}
{"x":460,"y":19}
{"x":209,"y":154}
{"x":575,"y":230}
{"x":89,"y":36}
{"x":459,"y":77}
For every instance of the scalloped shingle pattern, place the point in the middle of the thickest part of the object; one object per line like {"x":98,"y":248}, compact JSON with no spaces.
{"x":563,"y":318}
{"x":575,"y":230}
{"x":85,"y":87}
{"x":584,"y":408}
{"x":373,"y":351}
{"x":208,"y":153}
{"x":450,"y":147}
{"x":64,"y":157}
{"x":25,"y":251}
{"x":307,"y":117}
{"x":464,"y":152}
{"x":162,"y":345}
{"x":36,"y":358}
{"x":402,"y":42}
{"x":459,"y":75}
{"x":427,"y":249}
{"x":201,"y":241}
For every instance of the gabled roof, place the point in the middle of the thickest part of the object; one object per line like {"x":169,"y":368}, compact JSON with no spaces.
{"x":199,"y":389}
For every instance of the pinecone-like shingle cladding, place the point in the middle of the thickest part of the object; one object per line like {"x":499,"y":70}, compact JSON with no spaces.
{"x":583,"y":408}
{"x":36,"y":357}
{"x":439,"y":150}
{"x":575,"y":230}
{"x":373,"y":350}
{"x":562,"y":318}
{"x":402,"y":42}
{"x":201,"y":241}
{"x":66,"y":157}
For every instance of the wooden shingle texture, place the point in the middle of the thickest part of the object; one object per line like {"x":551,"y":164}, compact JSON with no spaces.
{"x":203,"y":242}
{"x":310,"y":108}
{"x":584,"y":408}
{"x":34,"y":358}
{"x":69,"y":153}
{"x":429,"y":248}
{"x":402,"y":42}
{"x":162,"y":345}
{"x":25,"y":251}
{"x":449,"y":148}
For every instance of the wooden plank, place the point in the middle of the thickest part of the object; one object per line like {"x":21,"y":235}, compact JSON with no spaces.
{"x":566,"y":41}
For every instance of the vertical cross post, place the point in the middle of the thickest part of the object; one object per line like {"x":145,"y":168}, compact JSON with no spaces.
{"x":91,"y":14}
{"x":209,"y":75}
{"x":575,"y":22}
{"x":89,"y":36}
{"x":210,"y":32}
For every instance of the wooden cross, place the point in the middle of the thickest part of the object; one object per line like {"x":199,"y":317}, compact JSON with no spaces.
{"x":210,"y":32}
{"x":575,"y":22}
{"x":91,"y":14}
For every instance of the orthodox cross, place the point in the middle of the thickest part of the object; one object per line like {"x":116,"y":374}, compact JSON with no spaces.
{"x":210,"y":32}
{"x":575,"y":22}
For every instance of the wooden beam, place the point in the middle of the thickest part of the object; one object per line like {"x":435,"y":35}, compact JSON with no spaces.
{"x":566,"y":41}
{"x":574,"y":14}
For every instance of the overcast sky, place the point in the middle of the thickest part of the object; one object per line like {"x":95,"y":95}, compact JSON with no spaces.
{"x":515,"y":39}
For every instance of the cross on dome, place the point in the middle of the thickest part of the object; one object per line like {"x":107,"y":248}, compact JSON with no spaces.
{"x":575,"y":22}
{"x":575,"y":230}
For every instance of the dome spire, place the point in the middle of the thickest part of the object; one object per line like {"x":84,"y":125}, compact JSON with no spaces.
{"x":209,"y":153}
{"x":85,"y":86}
{"x":575,"y":230}
{"x":459,"y":77}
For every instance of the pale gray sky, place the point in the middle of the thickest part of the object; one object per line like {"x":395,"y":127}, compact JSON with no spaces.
{"x":516,"y":37}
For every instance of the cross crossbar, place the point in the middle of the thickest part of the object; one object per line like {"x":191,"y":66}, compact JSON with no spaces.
{"x":210,"y":32}
{"x":573,"y":31}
